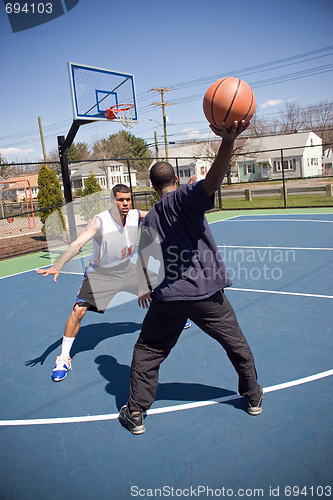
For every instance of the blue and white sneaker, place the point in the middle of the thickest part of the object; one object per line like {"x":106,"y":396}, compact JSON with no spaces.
{"x":61,"y":368}
{"x":188,"y":324}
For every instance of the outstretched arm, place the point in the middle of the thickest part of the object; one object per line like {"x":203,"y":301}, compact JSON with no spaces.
{"x":143,"y":214}
{"x":72,"y":249}
{"x":217,"y":171}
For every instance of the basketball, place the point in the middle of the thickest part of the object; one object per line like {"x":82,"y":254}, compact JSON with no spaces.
{"x":227,"y":100}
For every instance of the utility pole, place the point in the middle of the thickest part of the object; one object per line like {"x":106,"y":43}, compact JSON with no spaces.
{"x":156,"y":145}
{"x":163,"y":104}
{"x":42,"y":137}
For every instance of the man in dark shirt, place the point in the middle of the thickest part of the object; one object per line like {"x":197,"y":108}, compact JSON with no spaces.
{"x":192,"y":286}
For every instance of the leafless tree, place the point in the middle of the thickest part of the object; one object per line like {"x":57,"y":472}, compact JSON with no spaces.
{"x":319,"y":119}
{"x":291,"y":118}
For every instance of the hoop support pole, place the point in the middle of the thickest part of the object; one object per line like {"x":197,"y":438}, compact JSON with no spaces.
{"x":63,"y":146}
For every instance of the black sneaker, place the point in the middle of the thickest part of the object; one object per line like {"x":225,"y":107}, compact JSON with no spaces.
{"x":134,"y":423}
{"x":255,"y":407}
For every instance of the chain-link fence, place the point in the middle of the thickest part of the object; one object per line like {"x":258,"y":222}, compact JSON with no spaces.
{"x":276,"y":178}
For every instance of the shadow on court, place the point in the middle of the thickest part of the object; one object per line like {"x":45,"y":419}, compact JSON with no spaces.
{"x":118,"y":377}
{"x":88,"y":338}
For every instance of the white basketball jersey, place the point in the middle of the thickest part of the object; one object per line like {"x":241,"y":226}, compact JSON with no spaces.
{"x":117,"y":242}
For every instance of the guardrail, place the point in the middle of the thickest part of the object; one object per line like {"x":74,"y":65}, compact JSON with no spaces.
{"x":276,"y":191}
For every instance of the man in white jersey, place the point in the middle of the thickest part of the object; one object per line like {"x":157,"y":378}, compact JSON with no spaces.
{"x":114,"y":233}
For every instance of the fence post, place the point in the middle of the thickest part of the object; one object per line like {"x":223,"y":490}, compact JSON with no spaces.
{"x":219,"y":195}
{"x":284,"y":192}
{"x":248,"y":195}
{"x":329,"y":189}
{"x":67,"y":187}
{"x":130,"y":181}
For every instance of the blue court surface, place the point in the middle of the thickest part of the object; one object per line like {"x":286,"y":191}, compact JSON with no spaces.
{"x":64,"y":440}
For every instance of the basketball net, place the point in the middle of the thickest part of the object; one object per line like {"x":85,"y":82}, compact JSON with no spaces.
{"x":125,"y":118}
{"x":122,"y":113}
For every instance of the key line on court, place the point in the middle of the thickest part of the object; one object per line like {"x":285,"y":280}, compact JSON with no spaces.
{"x":167,"y":409}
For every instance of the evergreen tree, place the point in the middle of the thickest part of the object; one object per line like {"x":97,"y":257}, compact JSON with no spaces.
{"x":92,"y":201}
{"x":49,"y":196}
{"x":91,"y":185}
{"x":78,"y":151}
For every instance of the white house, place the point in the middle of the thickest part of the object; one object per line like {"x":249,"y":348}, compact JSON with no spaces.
{"x":107,"y":173}
{"x":261,"y":157}
{"x":190,"y":159}
{"x":117,"y":173}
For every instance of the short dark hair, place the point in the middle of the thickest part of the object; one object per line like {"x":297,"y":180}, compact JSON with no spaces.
{"x":120,"y":188}
{"x":162,"y":174}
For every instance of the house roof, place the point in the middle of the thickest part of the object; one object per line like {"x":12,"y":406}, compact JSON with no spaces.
{"x":18,"y":181}
{"x":187,"y":153}
{"x":85,"y":169}
{"x":276,"y":142}
{"x":97,"y":168}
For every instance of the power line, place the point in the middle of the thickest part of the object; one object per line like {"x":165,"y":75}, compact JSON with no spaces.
{"x":145,"y":98}
{"x":250,"y":68}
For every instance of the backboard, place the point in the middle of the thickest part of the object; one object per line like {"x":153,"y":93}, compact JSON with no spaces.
{"x":95,"y":89}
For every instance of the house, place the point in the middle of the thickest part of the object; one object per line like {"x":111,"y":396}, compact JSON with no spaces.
{"x":261,"y":157}
{"x":21,"y":187}
{"x":81,"y":171}
{"x":327,"y":162}
{"x":107,"y":173}
{"x":117,"y":173}
{"x":190,"y":159}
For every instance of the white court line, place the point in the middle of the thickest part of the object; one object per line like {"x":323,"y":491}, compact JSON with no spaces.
{"x":234,"y":219}
{"x":42,"y":267}
{"x":71,"y":272}
{"x":18,"y":235}
{"x":280,"y":293}
{"x":275,"y":248}
{"x":167,"y":409}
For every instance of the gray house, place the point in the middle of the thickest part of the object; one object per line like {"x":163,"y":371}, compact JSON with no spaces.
{"x":261,"y":157}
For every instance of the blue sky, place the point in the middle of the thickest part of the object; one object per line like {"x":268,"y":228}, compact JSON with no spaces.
{"x":162,"y":44}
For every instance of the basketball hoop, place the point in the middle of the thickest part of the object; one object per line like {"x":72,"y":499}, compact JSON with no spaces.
{"x":121,"y":112}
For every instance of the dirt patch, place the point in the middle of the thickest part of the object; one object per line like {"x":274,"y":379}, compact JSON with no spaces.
{"x":22,"y":245}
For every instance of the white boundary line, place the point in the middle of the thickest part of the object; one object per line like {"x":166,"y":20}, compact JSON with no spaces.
{"x":280,"y":293}
{"x":18,"y":235}
{"x":235,"y":219}
{"x":167,"y":409}
{"x":274,"y":248}
{"x":42,"y":267}
{"x":72,"y":272}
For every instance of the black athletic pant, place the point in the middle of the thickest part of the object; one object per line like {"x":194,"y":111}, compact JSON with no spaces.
{"x":161,"y":329}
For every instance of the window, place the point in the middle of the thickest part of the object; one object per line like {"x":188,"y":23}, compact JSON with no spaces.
{"x":249,"y":169}
{"x":115,"y":179}
{"x":287,"y":165}
{"x":313,"y":162}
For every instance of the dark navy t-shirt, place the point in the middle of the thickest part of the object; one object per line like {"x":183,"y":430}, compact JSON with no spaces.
{"x":193,"y":267}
